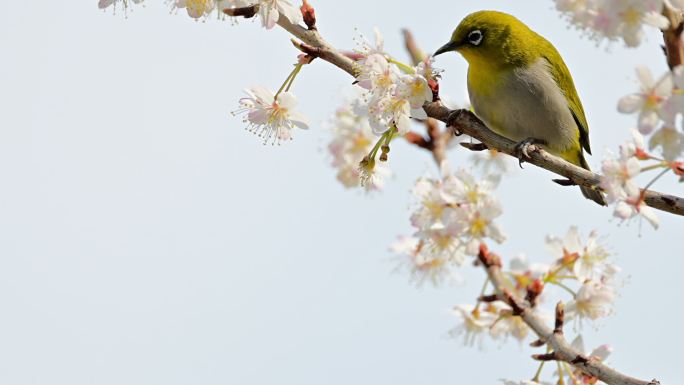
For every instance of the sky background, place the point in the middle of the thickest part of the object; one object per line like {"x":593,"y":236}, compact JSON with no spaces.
{"x":146,"y":238}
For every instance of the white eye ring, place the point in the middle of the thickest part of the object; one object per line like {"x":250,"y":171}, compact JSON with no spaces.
{"x":475,"y":37}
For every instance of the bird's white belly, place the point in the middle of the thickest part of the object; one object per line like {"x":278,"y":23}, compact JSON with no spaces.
{"x":527,"y":103}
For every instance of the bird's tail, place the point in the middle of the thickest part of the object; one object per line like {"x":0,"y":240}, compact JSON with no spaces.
{"x":588,"y":192}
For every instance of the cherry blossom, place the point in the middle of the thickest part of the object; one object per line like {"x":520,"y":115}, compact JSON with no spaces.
{"x":619,"y":185}
{"x":509,"y":326}
{"x":396,"y":92}
{"x":649,"y":101}
{"x":593,"y":300}
{"x":422,"y":264}
{"x":352,"y":139}
{"x":474,"y":222}
{"x":196,"y":8}
{"x":491,"y":163}
{"x":614,"y":19}
{"x":102,"y":4}
{"x":588,"y":260}
{"x":271,"y":118}
{"x":669,"y":140}
{"x":599,"y":354}
{"x":523,"y":382}
{"x":270,"y":11}
{"x":474,"y":324}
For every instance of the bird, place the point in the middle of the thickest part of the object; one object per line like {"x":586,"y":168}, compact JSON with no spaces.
{"x":521,"y":88}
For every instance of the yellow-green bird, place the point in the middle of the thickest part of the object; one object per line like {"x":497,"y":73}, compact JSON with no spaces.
{"x":520,"y":87}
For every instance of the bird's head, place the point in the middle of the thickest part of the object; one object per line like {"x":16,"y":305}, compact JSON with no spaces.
{"x":491,"y":38}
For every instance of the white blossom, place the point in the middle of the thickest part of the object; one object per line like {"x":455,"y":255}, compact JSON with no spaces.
{"x":510,"y":326}
{"x":474,"y":222}
{"x":103,"y":4}
{"x":395,"y":93}
{"x":614,"y":19}
{"x":422,"y":264}
{"x":670,"y":141}
{"x":269,"y":117}
{"x":196,"y":8}
{"x":593,"y":300}
{"x":524,"y":272}
{"x":454,"y":214}
{"x":649,"y":101}
{"x":589,"y":259}
{"x":600,"y":354}
{"x":633,"y":205}
{"x":352,"y":140}
{"x":270,"y":11}
{"x":523,"y":382}
{"x":620,"y":187}
{"x":491,"y":163}
{"x":474,"y":324}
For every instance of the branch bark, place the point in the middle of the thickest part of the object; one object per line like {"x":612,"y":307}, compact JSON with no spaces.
{"x":562,"y":350}
{"x":674,"y":47}
{"x":469,"y":124}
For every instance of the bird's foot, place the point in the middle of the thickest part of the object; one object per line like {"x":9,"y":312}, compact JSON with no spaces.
{"x":527,"y":146}
{"x":451,"y":121}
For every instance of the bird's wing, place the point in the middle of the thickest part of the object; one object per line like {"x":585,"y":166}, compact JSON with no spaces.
{"x":564,"y":80}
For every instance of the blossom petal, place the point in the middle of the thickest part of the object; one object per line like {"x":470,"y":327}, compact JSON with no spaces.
{"x":630,"y":104}
{"x":299,"y":120}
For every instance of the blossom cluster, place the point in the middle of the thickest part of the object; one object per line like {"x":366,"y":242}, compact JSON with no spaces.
{"x":586,"y":264}
{"x":268,"y":10}
{"x":619,"y":173}
{"x":455,"y":214}
{"x":616,"y":19}
{"x":352,"y":140}
{"x":567,"y":374}
{"x":659,"y":105}
{"x":396,"y":91}
{"x":581,"y":268}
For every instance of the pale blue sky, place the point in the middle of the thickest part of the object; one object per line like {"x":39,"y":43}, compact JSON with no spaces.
{"x":146,"y":238}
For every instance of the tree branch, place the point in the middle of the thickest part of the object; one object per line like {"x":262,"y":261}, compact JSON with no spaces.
{"x":465,"y":122}
{"x":562,"y":350}
{"x":469,"y":124}
{"x":674,"y":47}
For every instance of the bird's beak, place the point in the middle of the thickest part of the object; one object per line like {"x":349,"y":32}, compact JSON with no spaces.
{"x":448,"y":47}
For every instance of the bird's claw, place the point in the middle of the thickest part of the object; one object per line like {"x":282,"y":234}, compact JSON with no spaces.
{"x":451,"y":121}
{"x":525,"y":147}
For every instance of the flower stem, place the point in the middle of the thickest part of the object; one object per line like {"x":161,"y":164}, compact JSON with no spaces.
{"x":564,"y":287}
{"x":538,"y":373}
{"x":482,"y":292}
{"x":402,"y":66}
{"x":656,"y":178}
{"x":298,"y":68}
{"x":288,"y":81}
{"x":654,"y":166}
{"x":385,"y":139}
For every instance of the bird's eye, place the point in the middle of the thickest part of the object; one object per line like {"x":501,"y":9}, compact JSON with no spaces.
{"x":475,"y":37}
